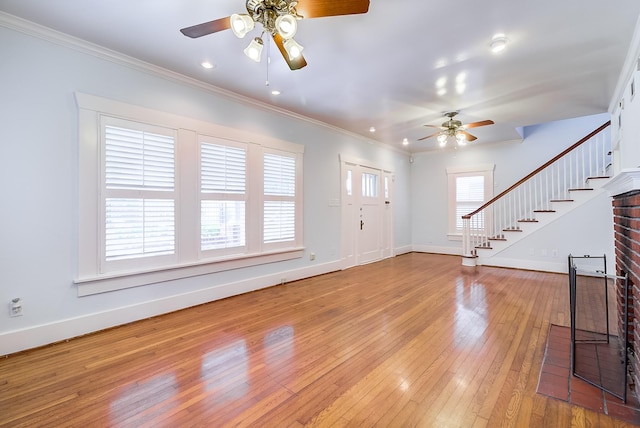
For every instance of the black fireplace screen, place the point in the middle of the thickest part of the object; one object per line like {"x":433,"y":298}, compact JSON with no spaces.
{"x":598,"y":348}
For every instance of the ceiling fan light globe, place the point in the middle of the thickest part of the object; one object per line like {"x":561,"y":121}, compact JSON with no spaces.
{"x":241,"y":24}
{"x":442,"y":139}
{"x":254,"y":50}
{"x":287,"y":26}
{"x":461,"y":138}
{"x":293,"y":48}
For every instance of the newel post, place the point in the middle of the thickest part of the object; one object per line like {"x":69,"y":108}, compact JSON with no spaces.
{"x":468,"y":256}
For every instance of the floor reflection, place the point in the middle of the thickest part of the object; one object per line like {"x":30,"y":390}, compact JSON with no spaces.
{"x":471,"y":312}
{"x":225,"y":370}
{"x":278,"y":345}
{"x":139,"y":396}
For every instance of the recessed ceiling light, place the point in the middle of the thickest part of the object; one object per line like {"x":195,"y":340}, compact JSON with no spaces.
{"x":442,"y":91}
{"x":275,"y":92}
{"x":207,"y":65}
{"x":372,"y":129}
{"x":498,"y":43}
{"x":405,"y":142}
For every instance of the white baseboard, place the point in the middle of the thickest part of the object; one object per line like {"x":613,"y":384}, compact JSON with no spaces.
{"x":537,"y":265}
{"x":33,"y":337}
{"x":403,"y":250}
{"x":452,"y":251}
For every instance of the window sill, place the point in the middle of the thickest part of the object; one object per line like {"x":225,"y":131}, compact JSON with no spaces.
{"x":88,"y":286}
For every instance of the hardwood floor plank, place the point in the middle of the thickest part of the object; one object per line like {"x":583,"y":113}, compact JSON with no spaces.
{"x":410,"y":341}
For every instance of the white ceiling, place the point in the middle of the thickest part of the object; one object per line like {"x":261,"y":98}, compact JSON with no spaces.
{"x":380,"y":68}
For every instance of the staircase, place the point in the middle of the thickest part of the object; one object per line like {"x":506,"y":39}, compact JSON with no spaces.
{"x":565,"y":182}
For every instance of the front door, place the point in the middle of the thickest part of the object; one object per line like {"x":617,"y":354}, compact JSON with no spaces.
{"x":366,"y":214}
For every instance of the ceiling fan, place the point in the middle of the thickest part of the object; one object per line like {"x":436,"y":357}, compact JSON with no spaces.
{"x":455,"y":128}
{"x":279,"y":18}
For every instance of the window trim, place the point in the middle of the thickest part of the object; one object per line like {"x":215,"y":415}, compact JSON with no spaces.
{"x":90,"y":279}
{"x":453,"y":234}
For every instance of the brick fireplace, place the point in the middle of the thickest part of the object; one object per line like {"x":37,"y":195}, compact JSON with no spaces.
{"x":625,"y":191}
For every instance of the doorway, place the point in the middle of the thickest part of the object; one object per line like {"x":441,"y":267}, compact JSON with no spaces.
{"x":367,"y":216}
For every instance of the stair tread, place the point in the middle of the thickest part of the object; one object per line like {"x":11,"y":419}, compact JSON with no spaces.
{"x":598,"y":177}
{"x":544,"y":211}
{"x":512,"y":230}
{"x":579,"y":189}
{"x":497,"y":239}
{"x":528,"y":220}
{"x":561,"y":200}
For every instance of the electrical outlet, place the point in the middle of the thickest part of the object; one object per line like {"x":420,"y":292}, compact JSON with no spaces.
{"x":312,"y":256}
{"x":15,"y":307}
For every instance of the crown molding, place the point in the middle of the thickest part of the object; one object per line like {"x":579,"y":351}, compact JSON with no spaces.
{"x":45,"y":33}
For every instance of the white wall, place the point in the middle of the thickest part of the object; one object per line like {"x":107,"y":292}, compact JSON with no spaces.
{"x":38,"y":184}
{"x":625,"y":110}
{"x":512,"y":162}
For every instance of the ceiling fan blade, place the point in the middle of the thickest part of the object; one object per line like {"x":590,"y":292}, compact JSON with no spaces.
{"x":476,"y":124}
{"x":428,"y":136}
{"x":468,"y":136}
{"x":320,"y":8}
{"x":294,"y":64}
{"x":434,"y":126}
{"x":207,"y":28}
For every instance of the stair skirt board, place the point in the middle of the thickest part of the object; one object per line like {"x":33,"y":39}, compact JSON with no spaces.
{"x":488,"y":253}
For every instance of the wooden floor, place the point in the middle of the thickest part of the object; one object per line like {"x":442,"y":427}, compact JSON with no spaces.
{"x":409,"y":341}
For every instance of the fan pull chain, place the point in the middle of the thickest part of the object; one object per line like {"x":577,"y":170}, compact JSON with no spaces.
{"x":268,"y":60}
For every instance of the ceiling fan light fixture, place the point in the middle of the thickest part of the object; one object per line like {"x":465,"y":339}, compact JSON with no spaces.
{"x":293,"y":48}
{"x":442,"y":139}
{"x":461,"y":139}
{"x":287,"y":26}
{"x":241,"y":24}
{"x":254,"y":50}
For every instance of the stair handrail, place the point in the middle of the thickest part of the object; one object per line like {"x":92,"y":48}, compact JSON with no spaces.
{"x":470,"y":240}
{"x":540,"y":168}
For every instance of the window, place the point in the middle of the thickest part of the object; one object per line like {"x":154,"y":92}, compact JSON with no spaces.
{"x":139,"y":189}
{"x":369,"y":185}
{"x":468,"y":189}
{"x":222,"y":197}
{"x":279,"y":198}
{"x":164,"y":197}
{"x":469,"y":196}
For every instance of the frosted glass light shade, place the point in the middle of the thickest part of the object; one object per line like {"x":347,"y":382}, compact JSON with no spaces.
{"x":254,"y":50}
{"x":293,"y":49}
{"x":241,"y":24}
{"x":287,"y":26}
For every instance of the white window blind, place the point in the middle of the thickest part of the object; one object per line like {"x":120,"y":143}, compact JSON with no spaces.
{"x":469,"y":197}
{"x":279,"y":194}
{"x":139,"y":184}
{"x":223,"y":169}
{"x":223,"y":190}
{"x":138,"y":160}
